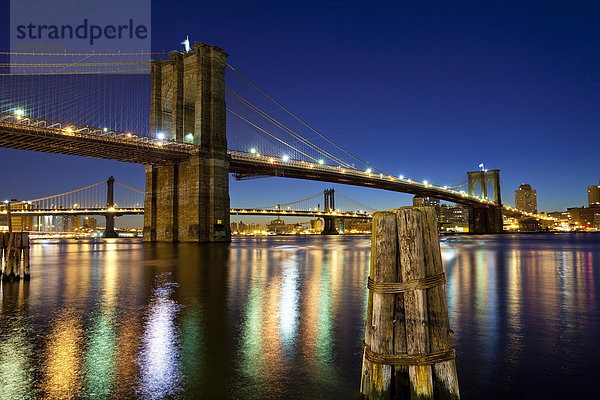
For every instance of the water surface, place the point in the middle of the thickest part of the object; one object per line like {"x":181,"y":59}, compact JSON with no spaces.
{"x":283,"y":317}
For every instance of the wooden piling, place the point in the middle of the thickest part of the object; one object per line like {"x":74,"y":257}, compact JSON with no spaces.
{"x":3,"y":244}
{"x":15,"y":247}
{"x":408,"y":350}
{"x":18,"y":248}
{"x":444,"y":373}
{"x":9,"y":273}
{"x":412,"y":261}
{"x":379,"y":335}
{"x":26,"y":266}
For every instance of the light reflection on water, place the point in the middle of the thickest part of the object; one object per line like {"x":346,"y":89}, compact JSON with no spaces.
{"x":283,"y":317}
{"x":160,"y":372}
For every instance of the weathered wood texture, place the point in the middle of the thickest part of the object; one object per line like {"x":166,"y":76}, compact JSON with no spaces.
{"x":26,"y":266}
{"x":380,"y":335}
{"x":3,"y":244}
{"x":15,"y":246}
{"x":444,"y":374}
{"x":405,"y":247}
{"x":412,"y":262}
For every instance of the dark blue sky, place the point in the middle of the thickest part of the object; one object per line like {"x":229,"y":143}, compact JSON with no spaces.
{"x":425,"y":89}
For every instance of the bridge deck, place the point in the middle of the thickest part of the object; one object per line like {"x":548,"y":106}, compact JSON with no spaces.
{"x":49,"y":137}
{"x":233,"y":211}
{"x":39,"y":135}
{"x":249,"y":164}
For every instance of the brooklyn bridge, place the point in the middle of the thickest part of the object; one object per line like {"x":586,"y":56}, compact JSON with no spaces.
{"x":201,"y":129}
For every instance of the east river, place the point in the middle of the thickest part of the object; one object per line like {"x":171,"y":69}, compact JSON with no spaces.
{"x":283,"y":318}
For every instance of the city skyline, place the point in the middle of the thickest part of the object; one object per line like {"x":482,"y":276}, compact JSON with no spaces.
{"x":516,"y":76}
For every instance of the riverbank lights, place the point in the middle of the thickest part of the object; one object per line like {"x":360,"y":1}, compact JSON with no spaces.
{"x":160,"y":136}
{"x":253,"y":150}
{"x":285,"y":158}
{"x":189,"y":137}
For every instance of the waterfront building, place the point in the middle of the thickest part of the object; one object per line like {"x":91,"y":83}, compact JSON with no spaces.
{"x":316,"y":225}
{"x":583,"y":216}
{"x":453,"y":218}
{"x":526,"y":198}
{"x":90,"y":223}
{"x":529,"y":225}
{"x":420,"y":201}
{"x":61,"y":223}
{"x":278,"y":226}
{"x":357,"y":225}
{"x":559,"y":215}
{"x":75,"y":223}
{"x":594,"y":195}
{"x":19,"y":223}
{"x":453,"y":214}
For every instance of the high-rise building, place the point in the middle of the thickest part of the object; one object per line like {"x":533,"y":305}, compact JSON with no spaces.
{"x":453,"y":214}
{"x":90,"y":223}
{"x":61,"y":223}
{"x":594,"y":195}
{"x":75,"y":223}
{"x":526,"y":198}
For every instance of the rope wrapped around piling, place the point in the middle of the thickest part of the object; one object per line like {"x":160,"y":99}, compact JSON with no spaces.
{"x":407,"y":360}
{"x":401,"y":287}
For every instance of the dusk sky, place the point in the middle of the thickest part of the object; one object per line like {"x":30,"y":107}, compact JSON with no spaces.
{"x":424,"y":89}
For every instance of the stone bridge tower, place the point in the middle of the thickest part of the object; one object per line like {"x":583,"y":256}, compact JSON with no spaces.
{"x":486,"y":218}
{"x":189,"y":201}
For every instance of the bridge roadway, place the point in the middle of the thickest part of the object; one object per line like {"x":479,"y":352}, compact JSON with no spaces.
{"x":23,"y":133}
{"x":140,"y":211}
{"x":510,"y":211}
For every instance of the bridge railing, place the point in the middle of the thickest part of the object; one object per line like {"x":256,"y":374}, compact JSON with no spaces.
{"x":259,"y":211}
{"x":80,"y":130}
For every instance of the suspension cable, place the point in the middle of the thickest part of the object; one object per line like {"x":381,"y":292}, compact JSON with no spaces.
{"x":299,"y":119}
{"x":287,"y":129}
{"x":72,"y":191}
{"x":271,"y":135}
{"x":126,"y":186}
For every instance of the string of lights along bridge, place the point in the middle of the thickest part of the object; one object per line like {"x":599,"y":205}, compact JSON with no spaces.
{"x":97,"y":105}
{"x":112,"y":196}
